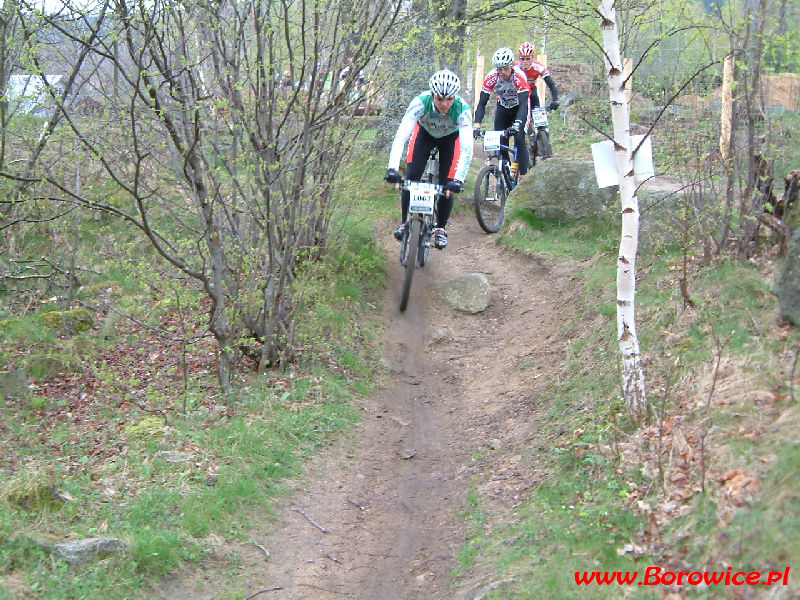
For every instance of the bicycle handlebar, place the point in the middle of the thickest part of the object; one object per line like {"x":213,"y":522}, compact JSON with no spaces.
{"x":505,"y":134}
{"x":502,"y":146}
{"x":440,"y":189}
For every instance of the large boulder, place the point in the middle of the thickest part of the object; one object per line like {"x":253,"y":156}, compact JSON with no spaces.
{"x":671,"y":218}
{"x":562,"y":189}
{"x":787,"y":286}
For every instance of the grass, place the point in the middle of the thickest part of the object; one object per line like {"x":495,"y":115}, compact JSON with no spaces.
{"x":587,"y":509}
{"x":575,"y":520}
{"x":529,"y":233}
{"x":103,"y":454}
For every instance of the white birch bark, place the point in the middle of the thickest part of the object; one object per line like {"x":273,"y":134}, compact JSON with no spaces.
{"x":632,"y":373}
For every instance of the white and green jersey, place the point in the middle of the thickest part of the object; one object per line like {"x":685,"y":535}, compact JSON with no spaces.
{"x":422,"y":111}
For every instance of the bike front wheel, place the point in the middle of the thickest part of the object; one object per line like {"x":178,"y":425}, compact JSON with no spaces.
{"x":490,"y":198}
{"x":412,"y":238}
{"x":543,"y":145}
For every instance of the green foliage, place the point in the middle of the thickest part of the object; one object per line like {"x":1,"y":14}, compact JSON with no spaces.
{"x":573,"y":522}
{"x":51,"y":363}
{"x":771,"y":528}
{"x":166,"y":510}
{"x":30,"y":490}
{"x":24,"y":330}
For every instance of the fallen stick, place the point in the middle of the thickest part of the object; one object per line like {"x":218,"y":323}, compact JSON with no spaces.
{"x":264,"y":550}
{"x":480,"y":593}
{"x":258,"y":593}
{"x":310,"y":520}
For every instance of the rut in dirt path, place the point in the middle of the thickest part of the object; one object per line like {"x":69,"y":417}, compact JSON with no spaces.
{"x":378,"y":517}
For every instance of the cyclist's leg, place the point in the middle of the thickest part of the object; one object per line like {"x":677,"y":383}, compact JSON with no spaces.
{"x":533,"y":101}
{"x":419,"y":148}
{"x":521,"y":142}
{"x":449,"y":150}
{"x":534,"y":97}
{"x":522,"y":152}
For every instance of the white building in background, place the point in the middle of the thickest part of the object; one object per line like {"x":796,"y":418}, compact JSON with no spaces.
{"x":28,"y":93}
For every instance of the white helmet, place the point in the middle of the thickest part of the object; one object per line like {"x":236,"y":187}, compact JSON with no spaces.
{"x":445,"y":84}
{"x":504,"y":57}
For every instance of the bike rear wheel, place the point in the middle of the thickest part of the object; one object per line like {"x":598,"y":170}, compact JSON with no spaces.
{"x":412,"y":237}
{"x":490,"y":198}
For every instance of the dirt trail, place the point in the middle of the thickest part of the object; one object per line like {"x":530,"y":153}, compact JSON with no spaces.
{"x":389,"y":499}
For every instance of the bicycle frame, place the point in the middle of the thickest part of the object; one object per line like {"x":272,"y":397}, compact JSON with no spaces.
{"x":427,"y":221}
{"x":540,"y":131}
{"x":416,"y":243}
{"x":505,"y":164}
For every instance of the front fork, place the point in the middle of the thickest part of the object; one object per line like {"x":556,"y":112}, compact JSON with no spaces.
{"x":427,"y":225}
{"x":507,"y":179}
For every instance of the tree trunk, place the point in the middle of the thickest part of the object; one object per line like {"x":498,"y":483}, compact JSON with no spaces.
{"x":633,"y":388}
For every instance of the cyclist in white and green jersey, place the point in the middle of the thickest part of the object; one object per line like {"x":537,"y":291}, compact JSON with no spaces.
{"x":437,"y":117}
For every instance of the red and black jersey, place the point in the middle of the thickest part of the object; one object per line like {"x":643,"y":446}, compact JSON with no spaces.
{"x":507,"y":92}
{"x":533,"y":72}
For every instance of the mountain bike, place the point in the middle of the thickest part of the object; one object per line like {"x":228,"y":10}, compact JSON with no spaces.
{"x":417,"y":238}
{"x":495,"y":180}
{"x":540,"y":136}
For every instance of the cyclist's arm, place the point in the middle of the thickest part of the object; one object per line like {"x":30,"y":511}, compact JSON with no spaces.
{"x":404,"y":131}
{"x":480,"y":110}
{"x":553,"y":89}
{"x":522,"y":112}
{"x":534,"y":97}
{"x":464,"y":157}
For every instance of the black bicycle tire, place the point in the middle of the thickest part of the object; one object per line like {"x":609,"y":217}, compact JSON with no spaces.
{"x":424,"y":250}
{"x":543,"y":142}
{"x":411,"y":262}
{"x":479,"y":195}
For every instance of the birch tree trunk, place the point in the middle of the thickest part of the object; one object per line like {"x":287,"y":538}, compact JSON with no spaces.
{"x":632,"y":373}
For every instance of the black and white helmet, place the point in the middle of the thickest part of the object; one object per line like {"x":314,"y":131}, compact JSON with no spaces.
{"x":504,"y":57}
{"x":445,"y":84}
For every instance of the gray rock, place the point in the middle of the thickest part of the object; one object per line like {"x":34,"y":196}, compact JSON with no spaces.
{"x":174,"y":457}
{"x":438,"y":336}
{"x":668,"y":218}
{"x":787,"y":286}
{"x":662,"y":113}
{"x":83,"y":551}
{"x":469,"y":293}
{"x":562,"y":189}
{"x":570,"y":98}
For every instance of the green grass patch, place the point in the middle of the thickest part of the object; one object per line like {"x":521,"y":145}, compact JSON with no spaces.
{"x":574,"y":522}
{"x":114,"y":470}
{"x":532,"y":234}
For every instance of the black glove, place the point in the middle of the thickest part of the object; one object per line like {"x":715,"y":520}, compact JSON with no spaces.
{"x":392,"y":176}
{"x":454,"y":186}
{"x":553,"y":105}
{"x":476,"y":132}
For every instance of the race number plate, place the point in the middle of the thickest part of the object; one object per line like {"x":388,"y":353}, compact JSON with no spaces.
{"x":491,"y":141}
{"x":539,"y":117}
{"x":422,"y":197}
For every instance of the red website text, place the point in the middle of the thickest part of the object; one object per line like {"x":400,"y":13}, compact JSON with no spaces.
{"x":659,"y":576}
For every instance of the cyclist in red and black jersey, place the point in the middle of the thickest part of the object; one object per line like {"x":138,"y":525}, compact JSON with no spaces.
{"x":512,"y":112}
{"x":533,"y":71}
